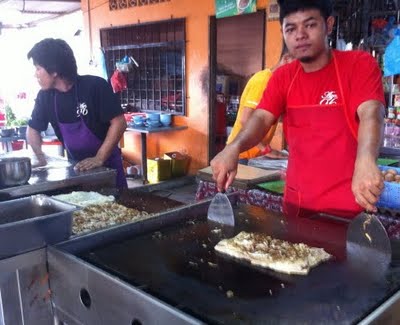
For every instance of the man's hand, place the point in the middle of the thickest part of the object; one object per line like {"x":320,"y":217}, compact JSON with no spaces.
{"x":224,"y":167}
{"x":39,"y":161}
{"x":88,"y":163}
{"x":34,"y":139}
{"x":367,"y":184}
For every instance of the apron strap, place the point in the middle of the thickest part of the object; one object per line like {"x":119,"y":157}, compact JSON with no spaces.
{"x":351,"y":125}
{"x":291,"y":84}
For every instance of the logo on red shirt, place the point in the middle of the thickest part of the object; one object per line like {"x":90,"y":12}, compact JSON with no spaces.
{"x":329,"y":98}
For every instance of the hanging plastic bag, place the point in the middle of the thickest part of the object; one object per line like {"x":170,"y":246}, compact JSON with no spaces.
{"x":392,"y":56}
{"x":118,"y":81}
{"x":125,"y":65}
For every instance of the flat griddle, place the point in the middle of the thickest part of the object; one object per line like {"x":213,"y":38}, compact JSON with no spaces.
{"x":177,"y":264}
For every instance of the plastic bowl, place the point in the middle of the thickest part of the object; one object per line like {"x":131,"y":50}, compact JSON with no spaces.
{"x":166,"y":119}
{"x":138,"y":118}
{"x":153,"y":123}
{"x":153,"y":117}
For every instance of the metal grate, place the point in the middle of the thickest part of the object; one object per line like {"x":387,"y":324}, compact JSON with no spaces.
{"x":356,"y":16}
{"x":156,"y":77}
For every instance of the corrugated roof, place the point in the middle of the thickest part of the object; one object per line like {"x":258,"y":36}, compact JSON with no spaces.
{"x":29,"y":13}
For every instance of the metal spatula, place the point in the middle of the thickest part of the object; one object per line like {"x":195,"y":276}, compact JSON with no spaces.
{"x":368,"y":246}
{"x":220,"y":210}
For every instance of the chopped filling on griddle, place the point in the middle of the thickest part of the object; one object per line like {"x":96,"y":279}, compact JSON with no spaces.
{"x":98,"y":216}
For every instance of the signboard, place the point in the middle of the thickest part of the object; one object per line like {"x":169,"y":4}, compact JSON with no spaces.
{"x":227,"y":8}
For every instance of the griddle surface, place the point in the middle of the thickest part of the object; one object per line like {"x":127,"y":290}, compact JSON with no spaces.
{"x":178,"y":265}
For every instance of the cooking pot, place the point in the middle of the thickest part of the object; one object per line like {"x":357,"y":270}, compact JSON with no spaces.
{"x":14,"y":171}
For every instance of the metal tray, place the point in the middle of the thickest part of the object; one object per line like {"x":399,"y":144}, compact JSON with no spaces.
{"x":45,"y":180}
{"x":33,"y":222}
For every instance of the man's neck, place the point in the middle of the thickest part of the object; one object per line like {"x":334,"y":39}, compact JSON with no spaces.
{"x":63,"y":85}
{"x":318,"y":63}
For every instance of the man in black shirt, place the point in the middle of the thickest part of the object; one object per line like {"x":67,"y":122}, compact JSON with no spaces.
{"x":83,"y":110}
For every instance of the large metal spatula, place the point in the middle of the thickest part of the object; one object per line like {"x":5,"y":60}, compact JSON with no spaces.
{"x":368,"y":246}
{"x":220,"y":210}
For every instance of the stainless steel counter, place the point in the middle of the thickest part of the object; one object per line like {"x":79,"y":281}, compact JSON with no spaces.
{"x":48,"y":179}
{"x":24,"y":289}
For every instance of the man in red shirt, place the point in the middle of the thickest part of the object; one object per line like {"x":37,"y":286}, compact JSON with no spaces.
{"x":332,"y":105}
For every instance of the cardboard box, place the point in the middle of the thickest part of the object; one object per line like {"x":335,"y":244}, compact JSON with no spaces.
{"x":179,"y":163}
{"x":158,"y":169}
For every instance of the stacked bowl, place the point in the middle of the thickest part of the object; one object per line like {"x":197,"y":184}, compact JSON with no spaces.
{"x":138,"y":120}
{"x":153,"y":119}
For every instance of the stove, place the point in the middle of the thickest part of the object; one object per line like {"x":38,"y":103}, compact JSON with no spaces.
{"x":165,"y":270}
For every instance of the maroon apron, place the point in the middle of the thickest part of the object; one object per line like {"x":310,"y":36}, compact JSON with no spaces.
{"x":82,"y":143}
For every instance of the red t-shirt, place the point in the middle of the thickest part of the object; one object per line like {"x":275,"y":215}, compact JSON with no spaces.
{"x":360,"y":76}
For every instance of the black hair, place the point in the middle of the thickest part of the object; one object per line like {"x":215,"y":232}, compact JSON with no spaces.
{"x":288,"y":7}
{"x":55,"y":55}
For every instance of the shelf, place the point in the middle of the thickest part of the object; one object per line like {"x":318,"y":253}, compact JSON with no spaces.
{"x":383,"y":13}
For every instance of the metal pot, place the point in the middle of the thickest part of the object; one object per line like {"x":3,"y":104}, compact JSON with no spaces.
{"x":14,"y":171}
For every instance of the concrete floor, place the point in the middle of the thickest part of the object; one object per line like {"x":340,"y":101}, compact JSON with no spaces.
{"x":181,"y":189}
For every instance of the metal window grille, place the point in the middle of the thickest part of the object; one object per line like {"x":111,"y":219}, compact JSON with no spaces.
{"x":156,"y":76}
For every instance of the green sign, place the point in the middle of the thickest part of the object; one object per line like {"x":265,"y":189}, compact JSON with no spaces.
{"x":227,"y":8}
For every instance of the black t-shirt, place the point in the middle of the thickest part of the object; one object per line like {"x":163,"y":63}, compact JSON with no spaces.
{"x":90,"y":93}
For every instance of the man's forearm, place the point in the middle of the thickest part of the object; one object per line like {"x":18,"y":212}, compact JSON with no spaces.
{"x":367,"y":183}
{"x":34,"y":139}
{"x":370,"y":132}
{"x":254,"y":131}
{"x":114,"y":134}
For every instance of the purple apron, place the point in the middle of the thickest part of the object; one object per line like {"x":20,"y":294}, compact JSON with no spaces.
{"x":81,"y":143}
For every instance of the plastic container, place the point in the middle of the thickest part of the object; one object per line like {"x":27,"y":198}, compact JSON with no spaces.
{"x":158,"y":169}
{"x":390,"y":197}
{"x":17,"y":145}
{"x":33,"y":222}
{"x":179,"y":163}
